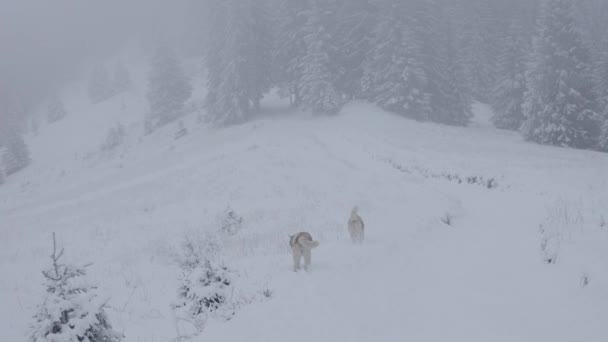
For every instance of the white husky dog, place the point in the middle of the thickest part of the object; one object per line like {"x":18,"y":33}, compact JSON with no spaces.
{"x":301,"y":244}
{"x":356,"y":228}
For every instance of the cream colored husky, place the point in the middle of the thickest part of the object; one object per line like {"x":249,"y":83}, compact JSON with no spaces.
{"x":356,"y":228}
{"x":301,"y":244}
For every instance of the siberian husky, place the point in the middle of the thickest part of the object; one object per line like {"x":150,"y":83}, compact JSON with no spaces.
{"x":356,"y":228}
{"x":301,"y":244}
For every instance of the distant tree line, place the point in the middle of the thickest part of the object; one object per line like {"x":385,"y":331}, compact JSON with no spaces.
{"x":541,"y":64}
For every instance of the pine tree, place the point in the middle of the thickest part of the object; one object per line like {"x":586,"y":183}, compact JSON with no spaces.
{"x":355,"y":23}
{"x":479,"y":43}
{"x":601,"y":79}
{"x":394,"y":74}
{"x":207,"y":285}
{"x":508,"y":96}
{"x":450,"y":101}
{"x":122,"y":79}
{"x":168,"y":89}
{"x":560,"y":104}
{"x":289,"y":48}
{"x":72,"y":311}
{"x":602,"y":144}
{"x":239,"y":68}
{"x":2,"y":172}
{"x":16,"y":156}
{"x":100,"y":86}
{"x":56,"y":110}
{"x":318,"y":92}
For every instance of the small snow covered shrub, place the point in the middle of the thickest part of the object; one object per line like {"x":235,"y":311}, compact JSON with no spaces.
{"x":2,"y":173}
{"x":181,"y":130}
{"x":563,"y":219}
{"x":447,"y":219}
{"x":116,"y":136}
{"x":549,"y":246}
{"x":267,"y":293}
{"x":207,"y":285}
{"x":72,"y":311}
{"x":231,"y":222}
{"x":56,"y":110}
{"x":585,"y":279}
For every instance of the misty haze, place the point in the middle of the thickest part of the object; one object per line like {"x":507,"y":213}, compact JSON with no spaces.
{"x":304,"y":170}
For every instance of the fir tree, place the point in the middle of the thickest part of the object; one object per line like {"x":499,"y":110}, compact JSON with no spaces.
{"x":100,"y":86}
{"x":16,"y":156}
{"x":602,"y":89}
{"x":479,"y":43}
{"x":394,"y":74}
{"x":449,"y":97}
{"x":318,"y":92}
{"x":122,"y":79}
{"x":72,"y":311}
{"x":355,"y":22}
{"x":289,"y":48}
{"x":168,"y":89}
{"x":56,"y":110}
{"x":240,"y":69}
{"x":207,"y":285}
{"x":508,"y":96}
{"x":560,"y":104}
{"x":602,"y":144}
{"x":2,"y":172}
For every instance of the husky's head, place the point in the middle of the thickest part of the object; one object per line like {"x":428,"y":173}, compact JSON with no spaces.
{"x":291,"y":240}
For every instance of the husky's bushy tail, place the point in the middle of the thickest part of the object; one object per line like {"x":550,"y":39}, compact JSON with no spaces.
{"x":310,"y":244}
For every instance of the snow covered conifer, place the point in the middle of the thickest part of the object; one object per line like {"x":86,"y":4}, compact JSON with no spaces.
{"x":356,"y":20}
{"x":449,"y":97}
{"x":602,"y":86}
{"x":508,"y":96}
{"x":122,"y":78}
{"x":239,"y":62}
{"x":603,"y":139}
{"x":168,"y":89}
{"x":394,"y":76}
{"x":289,"y":48}
{"x":56,"y":110}
{"x":100,"y":85}
{"x":560,"y":103}
{"x":2,"y":173}
{"x":206,"y":285}
{"x":16,"y":156}
{"x":72,"y":311}
{"x":316,"y":84}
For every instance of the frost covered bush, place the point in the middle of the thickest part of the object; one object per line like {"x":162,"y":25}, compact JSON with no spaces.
{"x":231,"y":222}
{"x":56,"y":110}
{"x":181,"y":131}
{"x":72,"y":311}
{"x":447,"y":219}
{"x":207,"y":286}
{"x":116,"y":136}
{"x":16,"y":155}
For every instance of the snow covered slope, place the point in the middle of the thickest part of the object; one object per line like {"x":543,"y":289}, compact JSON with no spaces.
{"x":484,"y":277}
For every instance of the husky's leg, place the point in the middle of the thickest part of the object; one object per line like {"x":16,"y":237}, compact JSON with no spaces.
{"x":307,"y":260}
{"x":353,"y":234}
{"x":296,"y":258}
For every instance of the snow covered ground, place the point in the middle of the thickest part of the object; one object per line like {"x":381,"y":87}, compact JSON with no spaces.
{"x":513,"y":206}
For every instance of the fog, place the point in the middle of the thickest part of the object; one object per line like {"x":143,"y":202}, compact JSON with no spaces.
{"x":428,"y":60}
{"x":44,"y":43}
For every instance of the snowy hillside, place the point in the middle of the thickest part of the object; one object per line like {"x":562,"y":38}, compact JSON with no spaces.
{"x":523,"y":257}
